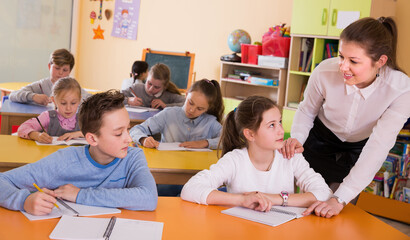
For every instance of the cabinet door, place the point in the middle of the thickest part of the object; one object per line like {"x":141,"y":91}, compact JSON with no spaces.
{"x":310,"y":17}
{"x":342,"y":11}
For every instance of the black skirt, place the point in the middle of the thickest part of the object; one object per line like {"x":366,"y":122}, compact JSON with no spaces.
{"x":328,"y":155}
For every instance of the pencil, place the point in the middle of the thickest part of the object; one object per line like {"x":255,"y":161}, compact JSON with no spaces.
{"x":41,"y":88}
{"x":135,"y":95}
{"x":41,"y":125}
{"x":39,"y":189}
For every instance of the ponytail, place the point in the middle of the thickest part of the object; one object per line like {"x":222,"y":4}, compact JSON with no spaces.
{"x":230,"y":137}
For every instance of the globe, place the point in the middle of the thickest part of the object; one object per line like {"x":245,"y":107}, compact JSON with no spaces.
{"x":237,"y":37}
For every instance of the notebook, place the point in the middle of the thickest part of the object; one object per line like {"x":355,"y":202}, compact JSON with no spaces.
{"x":276,"y":216}
{"x":71,"y":228}
{"x":75,"y":141}
{"x":83,"y":210}
{"x":139,"y":109}
{"x":175,"y":147}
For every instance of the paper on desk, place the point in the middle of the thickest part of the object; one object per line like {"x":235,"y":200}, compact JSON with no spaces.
{"x":175,"y":147}
{"x":93,"y":228}
{"x":84,"y":210}
{"x":75,"y":141}
{"x":277,"y":216}
{"x":140,"y":109}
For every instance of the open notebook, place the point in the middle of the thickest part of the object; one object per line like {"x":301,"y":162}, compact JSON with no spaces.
{"x":75,"y":141}
{"x":83,"y":210}
{"x":276,"y":216}
{"x":94,"y":228}
{"x":175,"y":147}
{"x":139,"y":109}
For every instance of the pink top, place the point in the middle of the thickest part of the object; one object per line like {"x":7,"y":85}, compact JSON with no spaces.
{"x":32,"y":124}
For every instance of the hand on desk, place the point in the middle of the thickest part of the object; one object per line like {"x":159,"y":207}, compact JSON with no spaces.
{"x":149,"y":142}
{"x":70,"y":135}
{"x":40,"y":137}
{"x":195,"y":144}
{"x":41,"y":99}
{"x":40,"y":203}
{"x":67,"y":192}
{"x":158,"y":103}
{"x":290,"y":147}
{"x":135,"y":101}
{"x":257,"y":201}
{"x":325,"y":209}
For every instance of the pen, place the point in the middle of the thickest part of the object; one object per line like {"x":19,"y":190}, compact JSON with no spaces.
{"x":42,"y":92}
{"x":68,"y":206}
{"x":39,"y":189}
{"x":41,"y":125}
{"x":135,"y":95}
{"x":109,"y":229}
{"x":150,"y":132}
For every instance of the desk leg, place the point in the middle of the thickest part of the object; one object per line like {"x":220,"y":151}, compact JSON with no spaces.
{"x":5,"y":125}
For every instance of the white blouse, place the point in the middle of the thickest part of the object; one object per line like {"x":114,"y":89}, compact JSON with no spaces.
{"x":377,"y":112}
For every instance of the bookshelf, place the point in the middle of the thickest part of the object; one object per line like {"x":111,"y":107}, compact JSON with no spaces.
{"x":235,"y":90}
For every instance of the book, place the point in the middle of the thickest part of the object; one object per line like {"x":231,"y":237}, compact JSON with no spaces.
{"x":263,"y":81}
{"x":175,"y":147}
{"x":83,"y":210}
{"x":276,"y":216}
{"x":74,"y":141}
{"x":140,"y":109}
{"x":94,"y":228}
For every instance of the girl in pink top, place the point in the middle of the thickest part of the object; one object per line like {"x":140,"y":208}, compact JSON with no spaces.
{"x":62,"y":122}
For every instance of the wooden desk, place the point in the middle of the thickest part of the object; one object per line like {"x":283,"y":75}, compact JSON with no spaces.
{"x":16,"y":113}
{"x":185,"y":220}
{"x":167,"y":167}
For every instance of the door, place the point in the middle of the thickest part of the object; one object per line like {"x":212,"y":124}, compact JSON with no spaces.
{"x":310,"y":17}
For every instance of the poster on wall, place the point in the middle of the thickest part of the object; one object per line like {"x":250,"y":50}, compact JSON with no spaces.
{"x":126,"y":19}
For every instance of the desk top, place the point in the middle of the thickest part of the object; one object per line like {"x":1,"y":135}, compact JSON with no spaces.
{"x":18,"y":109}
{"x":12,"y":86}
{"x":185,"y":220}
{"x":16,"y":152}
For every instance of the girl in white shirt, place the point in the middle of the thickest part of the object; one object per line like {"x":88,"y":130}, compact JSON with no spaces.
{"x":139,"y":72}
{"x":254,"y":172}
{"x":354,"y":106}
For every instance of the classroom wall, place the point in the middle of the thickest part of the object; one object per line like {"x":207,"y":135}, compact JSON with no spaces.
{"x":403,"y":43}
{"x":200,"y":27}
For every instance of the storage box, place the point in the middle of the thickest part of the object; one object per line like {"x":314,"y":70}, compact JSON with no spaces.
{"x":250,"y":53}
{"x":272,"y":61}
{"x":384,"y":207}
{"x":276,"y":46}
{"x":263,"y":81}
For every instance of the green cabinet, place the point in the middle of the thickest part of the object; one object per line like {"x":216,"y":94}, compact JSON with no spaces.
{"x":329,"y":17}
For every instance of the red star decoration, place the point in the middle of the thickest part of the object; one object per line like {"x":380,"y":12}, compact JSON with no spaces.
{"x":98,"y":33}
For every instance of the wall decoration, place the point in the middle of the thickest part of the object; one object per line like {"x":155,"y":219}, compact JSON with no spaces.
{"x":126,"y":15}
{"x":100,"y":16}
{"x":98,"y":33}
{"x":93,"y":16}
{"x":108,"y":14}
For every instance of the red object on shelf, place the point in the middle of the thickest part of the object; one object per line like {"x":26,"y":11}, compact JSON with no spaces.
{"x":276,"y":46}
{"x":250,"y":53}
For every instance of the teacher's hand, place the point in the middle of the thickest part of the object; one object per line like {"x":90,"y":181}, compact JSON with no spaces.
{"x":325,"y":209}
{"x":290,"y":147}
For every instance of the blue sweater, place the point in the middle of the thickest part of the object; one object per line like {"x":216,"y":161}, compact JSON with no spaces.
{"x":174,"y":126}
{"x":124,"y":183}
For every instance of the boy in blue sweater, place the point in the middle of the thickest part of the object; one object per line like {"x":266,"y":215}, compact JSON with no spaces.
{"x":107,"y":172}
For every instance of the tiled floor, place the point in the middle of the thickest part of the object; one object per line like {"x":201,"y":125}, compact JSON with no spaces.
{"x":402,"y":227}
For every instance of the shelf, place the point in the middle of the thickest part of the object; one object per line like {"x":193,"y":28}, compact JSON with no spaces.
{"x":300,"y":73}
{"x":252,"y":66}
{"x":246,"y":83}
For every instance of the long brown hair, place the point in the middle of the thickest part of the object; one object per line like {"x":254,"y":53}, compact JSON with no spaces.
{"x":161,"y":72}
{"x":249,"y":115}
{"x":376,"y":36}
{"x":212,"y":91}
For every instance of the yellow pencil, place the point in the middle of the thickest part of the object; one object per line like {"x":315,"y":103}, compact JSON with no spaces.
{"x":39,"y":189}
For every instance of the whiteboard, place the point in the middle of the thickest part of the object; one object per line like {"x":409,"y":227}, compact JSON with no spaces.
{"x":30,"y":31}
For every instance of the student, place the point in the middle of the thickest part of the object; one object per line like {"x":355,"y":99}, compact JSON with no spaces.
{"x":354,"y":106}
{"x":197,"y":124}
{"x":255,"y":174}
{"x":60,"y":65}
{"x":107,"y":172}
{"x":61,"y":122}
{"x":139,"y":72}
{"x":157,"y":92}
